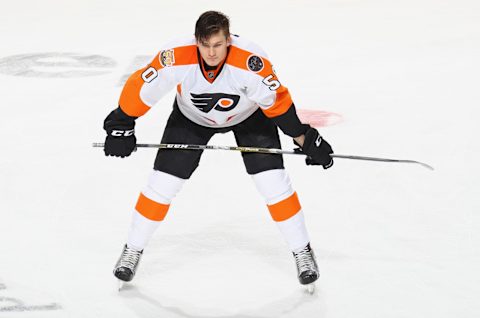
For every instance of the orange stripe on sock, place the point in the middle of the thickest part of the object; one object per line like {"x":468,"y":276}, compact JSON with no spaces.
{"x":285,"y":209}
{"x":150,"y":209}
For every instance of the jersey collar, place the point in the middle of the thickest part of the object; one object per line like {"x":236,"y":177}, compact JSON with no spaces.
{"x":210,"y":73}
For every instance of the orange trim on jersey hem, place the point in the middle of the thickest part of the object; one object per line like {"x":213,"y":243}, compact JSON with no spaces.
{"x":285,"y":209}
{"x":150,"y":209}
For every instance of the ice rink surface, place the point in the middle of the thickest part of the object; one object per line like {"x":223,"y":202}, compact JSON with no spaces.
{"x":392,"y":240}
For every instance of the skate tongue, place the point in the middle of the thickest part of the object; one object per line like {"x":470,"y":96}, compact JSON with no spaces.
{"x":133,"y":248}
{"x":306,"y":248}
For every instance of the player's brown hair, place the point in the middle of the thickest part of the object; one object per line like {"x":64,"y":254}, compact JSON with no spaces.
{"x":211,"y":22}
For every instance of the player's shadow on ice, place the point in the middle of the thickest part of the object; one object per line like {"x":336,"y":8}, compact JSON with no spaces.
{"x":147,"y":306}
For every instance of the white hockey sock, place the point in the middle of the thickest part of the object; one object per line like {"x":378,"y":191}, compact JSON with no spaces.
{"x":295,"y":232}
{"x":282,"y":201}
{"x":141,"y":231}
{"x":152,"y":207}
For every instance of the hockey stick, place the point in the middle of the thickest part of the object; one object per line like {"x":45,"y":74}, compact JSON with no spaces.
{"x":264,"y":150}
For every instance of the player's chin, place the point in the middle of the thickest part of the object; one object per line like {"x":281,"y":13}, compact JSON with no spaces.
{"x":212,"y":62}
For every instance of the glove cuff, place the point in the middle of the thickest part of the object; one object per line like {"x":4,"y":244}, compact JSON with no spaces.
{"x":119,"y":120}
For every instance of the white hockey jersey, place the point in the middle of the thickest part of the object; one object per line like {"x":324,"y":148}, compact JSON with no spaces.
{"x":218,"y":98}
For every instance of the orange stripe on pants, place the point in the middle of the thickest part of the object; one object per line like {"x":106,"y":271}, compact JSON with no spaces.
{"x":285,"y":209}
{"x":150,"y":209}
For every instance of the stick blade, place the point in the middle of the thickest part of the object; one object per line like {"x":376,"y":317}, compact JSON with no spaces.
{"x":382,"y":160}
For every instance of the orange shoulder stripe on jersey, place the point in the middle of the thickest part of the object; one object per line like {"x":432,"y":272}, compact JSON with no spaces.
{"x":130,"y":101}
{"x":150,"y":209}
{"x":181,"y":55}
{"x":184,"y":55}
{"x":239,"y":58}
{"x":285,"y":209}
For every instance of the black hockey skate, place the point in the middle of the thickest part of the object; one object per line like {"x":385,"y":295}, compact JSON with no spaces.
{"x":127,"y":265}
{"x":306,"y":267}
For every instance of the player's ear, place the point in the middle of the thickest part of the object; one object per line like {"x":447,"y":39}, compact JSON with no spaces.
{"x":229,"y":40}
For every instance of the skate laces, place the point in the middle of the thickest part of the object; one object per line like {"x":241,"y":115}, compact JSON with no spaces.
{"x":130,"y":258}
{"x":305,"y":260}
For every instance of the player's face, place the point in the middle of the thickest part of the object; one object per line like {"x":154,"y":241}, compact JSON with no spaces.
{"x":214,"y":49}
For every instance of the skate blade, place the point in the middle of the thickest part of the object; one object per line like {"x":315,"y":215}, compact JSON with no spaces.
{"x":121,"y":283}
{"x":310,"y":288}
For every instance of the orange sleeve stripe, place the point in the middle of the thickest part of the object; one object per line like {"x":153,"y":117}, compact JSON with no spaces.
{"x":155,"y":62}
{"x":150,"y":209}
{"x":130,"y":101}
{"x":281,"y":105}
{"x":285,"y":209}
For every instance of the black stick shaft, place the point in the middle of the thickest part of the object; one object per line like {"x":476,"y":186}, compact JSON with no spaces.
{"x":264,"y":150}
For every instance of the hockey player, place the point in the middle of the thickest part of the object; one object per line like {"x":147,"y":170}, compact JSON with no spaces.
{"x":224,"y":83}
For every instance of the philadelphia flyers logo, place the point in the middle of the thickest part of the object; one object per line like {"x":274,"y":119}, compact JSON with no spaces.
{"x":218,"y":101}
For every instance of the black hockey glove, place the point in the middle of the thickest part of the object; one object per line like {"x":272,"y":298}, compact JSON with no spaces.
{"x":121,"y":140}
{"x":317,"y":149}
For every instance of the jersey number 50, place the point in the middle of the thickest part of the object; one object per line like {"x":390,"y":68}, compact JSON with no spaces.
{"x":272,"y":84}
